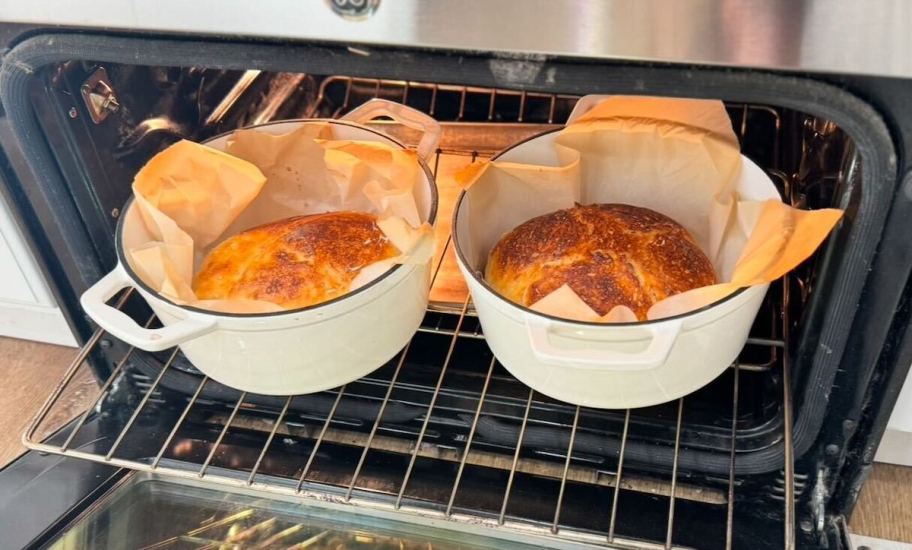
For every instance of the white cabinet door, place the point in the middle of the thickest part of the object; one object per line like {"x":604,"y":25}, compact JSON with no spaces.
{"x":27,"y":308}
{"x":902,"y":414}
{"x":896,"y":446}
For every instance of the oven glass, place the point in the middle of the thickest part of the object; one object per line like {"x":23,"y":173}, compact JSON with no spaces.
{"x":152,"y":513}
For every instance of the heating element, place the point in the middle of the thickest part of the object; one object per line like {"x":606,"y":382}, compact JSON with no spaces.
{"x":443,"y":432}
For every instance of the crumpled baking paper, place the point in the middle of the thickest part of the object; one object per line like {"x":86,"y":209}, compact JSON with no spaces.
{"x":191,"y":197}
{"x":679,"y":157}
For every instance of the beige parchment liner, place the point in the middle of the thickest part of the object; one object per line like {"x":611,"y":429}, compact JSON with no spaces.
{"x":675,"y":156}
{"x":191,"y":197}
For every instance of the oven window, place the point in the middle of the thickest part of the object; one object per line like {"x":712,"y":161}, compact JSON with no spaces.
{"x":152,"y":513}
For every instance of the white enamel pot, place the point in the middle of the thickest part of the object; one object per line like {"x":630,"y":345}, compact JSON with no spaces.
{"x":297,"y":351}
{"x":612,"y":366}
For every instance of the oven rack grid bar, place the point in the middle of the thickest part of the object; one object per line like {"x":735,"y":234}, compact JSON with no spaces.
{"x":351,"y":494}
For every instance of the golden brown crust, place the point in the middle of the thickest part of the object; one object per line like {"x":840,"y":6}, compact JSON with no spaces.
{"x":609,"y":254}
{"x":295,"y":262}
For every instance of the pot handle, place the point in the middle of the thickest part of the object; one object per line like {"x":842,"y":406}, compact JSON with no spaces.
{"x":403,"y":114}
{"x":584,"y":105}
{"x":664,"y":335}
{"x":119,"y":324}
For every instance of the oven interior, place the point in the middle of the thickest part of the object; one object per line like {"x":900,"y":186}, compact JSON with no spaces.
{"x":443,"y":430}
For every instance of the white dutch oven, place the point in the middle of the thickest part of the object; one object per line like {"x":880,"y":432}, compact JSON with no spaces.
{"x":618,"y":365}
{"x":298,"y":351}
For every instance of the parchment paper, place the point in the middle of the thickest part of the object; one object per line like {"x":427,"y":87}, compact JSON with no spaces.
{"x":675,"y":156}
{"x":191,"y":197}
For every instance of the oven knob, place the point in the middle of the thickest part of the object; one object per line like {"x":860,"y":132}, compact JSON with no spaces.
{"x":354,"y":9}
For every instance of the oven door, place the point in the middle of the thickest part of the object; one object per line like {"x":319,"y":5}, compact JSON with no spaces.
{"x":63,"y":503}
{"x":146,"y":511}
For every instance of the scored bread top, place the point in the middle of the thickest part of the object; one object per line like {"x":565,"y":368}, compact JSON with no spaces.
{"x":609,"y":254}
{"x":296,"y":262}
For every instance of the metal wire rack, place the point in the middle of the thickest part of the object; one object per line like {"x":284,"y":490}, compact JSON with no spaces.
{"x":338,"y":94}
{"x":379,"y":462}
{"x":351,"y":491}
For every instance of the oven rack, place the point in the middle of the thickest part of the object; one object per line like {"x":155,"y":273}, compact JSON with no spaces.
{"x":251,"y":475}
{"x":492,"y":104}
{"x":453,"y":328}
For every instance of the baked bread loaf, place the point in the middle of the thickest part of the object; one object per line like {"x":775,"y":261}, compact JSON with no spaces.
{"x":295,"y":262}
{"x":609,"y":254}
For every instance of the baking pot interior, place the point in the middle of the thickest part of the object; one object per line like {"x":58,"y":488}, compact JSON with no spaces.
{"x":752,"y":184}
{"x":131,"y":231}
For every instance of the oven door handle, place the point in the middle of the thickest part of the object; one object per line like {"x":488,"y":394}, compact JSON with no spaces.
{"x":403,"y":114}
{"x":120,"y":325}
{"x":593,"y":354}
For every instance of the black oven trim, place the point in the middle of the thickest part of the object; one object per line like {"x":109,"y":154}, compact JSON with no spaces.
{"x":40,"y":494}
{"x":63,"y":238}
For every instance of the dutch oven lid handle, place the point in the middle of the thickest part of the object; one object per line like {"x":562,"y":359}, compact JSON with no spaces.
{"x":584,"y":105}
{"x":403,"y":114}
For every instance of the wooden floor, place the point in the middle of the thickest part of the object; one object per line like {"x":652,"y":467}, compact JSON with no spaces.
{"x":29,"y":372}
{"x":885,"y":507}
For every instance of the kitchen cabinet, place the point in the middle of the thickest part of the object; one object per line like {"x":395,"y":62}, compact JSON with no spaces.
{"x":896,"y":446}
{"x":27,"y":307}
